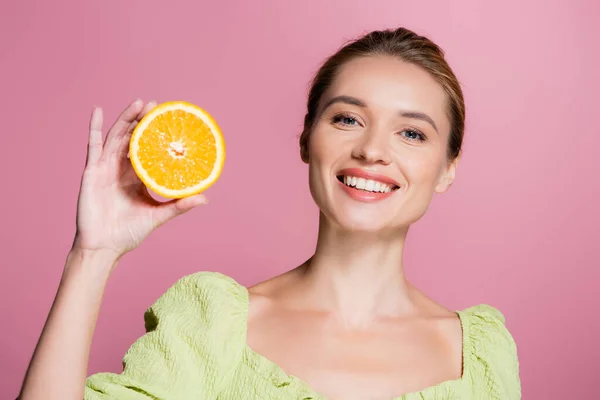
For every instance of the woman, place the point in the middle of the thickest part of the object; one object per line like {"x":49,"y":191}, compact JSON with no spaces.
{"x":382,"y":134}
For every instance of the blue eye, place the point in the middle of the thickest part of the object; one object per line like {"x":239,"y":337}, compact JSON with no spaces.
{"x":345,"y":119}
{"x":412,"y":134}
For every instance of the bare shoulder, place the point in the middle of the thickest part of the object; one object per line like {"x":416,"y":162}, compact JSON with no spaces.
{"x":449,"y":323}
{"x":264,"y":295}
{"x":269,"y":321}
{"x":445,"y":321}
{"x":259,"y":302}
{"x":450,"y":327}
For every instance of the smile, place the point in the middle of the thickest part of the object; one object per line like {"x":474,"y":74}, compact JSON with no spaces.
{"x":367,"y":185}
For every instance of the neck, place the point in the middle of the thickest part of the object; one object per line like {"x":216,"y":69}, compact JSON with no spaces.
{"x":357,"y":276}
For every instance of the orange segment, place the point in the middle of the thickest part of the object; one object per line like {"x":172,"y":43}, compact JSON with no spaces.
{"x":177,"y":150}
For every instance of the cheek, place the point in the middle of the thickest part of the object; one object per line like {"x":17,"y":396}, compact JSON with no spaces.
{"x":318,"y":167}
{"x":325,"y":152}
{"x":422,"y":170}
{"x":317,"y":151}
{"x":322,"y":146}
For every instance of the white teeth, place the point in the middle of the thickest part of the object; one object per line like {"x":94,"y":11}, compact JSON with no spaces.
{"x":367,"y":184}
{"x":361,"y":183}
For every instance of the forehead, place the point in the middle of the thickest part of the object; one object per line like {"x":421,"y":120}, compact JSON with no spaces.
{"x":388,"y":83}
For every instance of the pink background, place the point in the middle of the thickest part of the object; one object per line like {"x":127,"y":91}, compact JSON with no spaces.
{"x":519,"y":230}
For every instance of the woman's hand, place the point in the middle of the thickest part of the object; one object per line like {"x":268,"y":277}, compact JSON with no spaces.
{"x":115,"y":212}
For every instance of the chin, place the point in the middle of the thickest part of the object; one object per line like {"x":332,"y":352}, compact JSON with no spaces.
{"x":355,"y":221}
{"x":362,"y":227}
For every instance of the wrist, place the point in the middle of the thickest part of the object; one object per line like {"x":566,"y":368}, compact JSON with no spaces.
{"x":94,"y":254}
{"x":98,"y":261}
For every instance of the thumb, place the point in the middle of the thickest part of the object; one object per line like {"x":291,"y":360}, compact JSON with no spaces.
{"x":173,"y":208}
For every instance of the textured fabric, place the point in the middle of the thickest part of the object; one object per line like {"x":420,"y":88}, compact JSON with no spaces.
{"x":195,"y":348}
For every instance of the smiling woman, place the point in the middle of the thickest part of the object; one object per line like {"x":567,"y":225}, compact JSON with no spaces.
{"x":385,"y":116}
{"x":382,"y":134}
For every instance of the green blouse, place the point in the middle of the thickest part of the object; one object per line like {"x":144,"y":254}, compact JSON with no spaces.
{"x":195,"y":348}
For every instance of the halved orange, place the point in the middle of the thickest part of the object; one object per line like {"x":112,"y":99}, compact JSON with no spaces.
{"x":177,"y":149}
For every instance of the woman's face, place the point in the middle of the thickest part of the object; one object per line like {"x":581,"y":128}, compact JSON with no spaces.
{"x":377,"y":152}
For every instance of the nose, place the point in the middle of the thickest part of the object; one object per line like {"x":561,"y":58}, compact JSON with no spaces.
{"x":373,"y":148}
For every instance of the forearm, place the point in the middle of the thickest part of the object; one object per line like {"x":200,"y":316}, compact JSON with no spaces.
{"x":58,"y":368}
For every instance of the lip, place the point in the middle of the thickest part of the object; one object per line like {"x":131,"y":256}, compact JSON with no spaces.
{"x":361,"y":173}
{"x":362,"y":195}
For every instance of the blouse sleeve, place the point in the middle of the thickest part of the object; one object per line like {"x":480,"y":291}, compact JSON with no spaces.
{"x":493,"y":352}
{"x":192,"y":346}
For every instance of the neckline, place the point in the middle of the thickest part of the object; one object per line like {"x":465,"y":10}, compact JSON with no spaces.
{"x":279,"y":377}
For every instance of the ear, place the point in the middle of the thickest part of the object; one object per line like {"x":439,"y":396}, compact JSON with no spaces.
{"x":304,"y":143}
{"x":448,"y":175}
{"x":304,"y":155}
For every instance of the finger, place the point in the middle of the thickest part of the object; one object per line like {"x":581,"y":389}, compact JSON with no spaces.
{"x":94,"y":150}
{"x":124,"y":147}
{"x":173,"y":208}
{"x":147,"y":108}
{"x":119,"y":128}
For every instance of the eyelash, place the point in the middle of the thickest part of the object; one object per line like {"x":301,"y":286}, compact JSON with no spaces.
{"x":337,"y":119}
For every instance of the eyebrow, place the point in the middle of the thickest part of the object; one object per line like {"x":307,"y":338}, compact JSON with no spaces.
{"x":353,"y":101}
